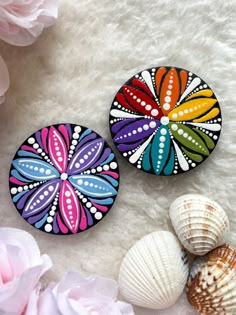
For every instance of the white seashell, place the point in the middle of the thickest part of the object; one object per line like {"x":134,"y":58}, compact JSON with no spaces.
{"x":154,"y":272}
{"x":199,"y":223}
{"x":211,"y":285}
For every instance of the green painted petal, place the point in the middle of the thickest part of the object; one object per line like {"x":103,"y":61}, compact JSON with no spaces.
{"x":188,"y":138}
{"x":170,"y":166}
{"x":160,"y":149}
{"x":146,"y":158}
{"x":209,"y":142}
{"x":193,"y":156}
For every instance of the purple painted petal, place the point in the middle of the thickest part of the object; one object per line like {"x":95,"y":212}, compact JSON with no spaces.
{"x":86,"y":157}
{"x":85,"y":140}
{"x":43,"y":196}
{"x":103,"y":158}
{"x":89,"y":217}
{"x":55,"y":225}
{"x":116,"y":127}
{"x":38,"y":138}
{"x":138,"y":130}
{"x":38,"y":217}
{"x":126,"y":147}
{"x":22,"y":201}
{"x":68,"y":127}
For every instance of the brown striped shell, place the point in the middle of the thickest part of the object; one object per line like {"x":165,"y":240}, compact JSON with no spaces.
{"x":211,"y":287}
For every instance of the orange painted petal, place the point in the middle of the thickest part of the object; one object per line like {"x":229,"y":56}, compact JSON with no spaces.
{"x":159,"y":75}
{"x":207,"y":93}
{"x":212,"y":114}
{"x":192,"y":109}
{"x":170,"y":91}
{"x":183,"y":77}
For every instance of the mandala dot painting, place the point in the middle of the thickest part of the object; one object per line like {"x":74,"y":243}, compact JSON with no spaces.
{"x":64,"y":179}
{"x":165,"y":121}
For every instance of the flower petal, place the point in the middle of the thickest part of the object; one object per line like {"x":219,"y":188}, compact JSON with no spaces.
{"x":86,"y":157}
{"x":69,"y":206}
{"x":206,"y":93}
{"x":171,"y":163}
{"x":212,"y":114}
{"x":159,"y":154}
{"x":43,"y":196}
{"x":35,"y":169}
{"x":139,"y":129}
{"x":169,"y":97}
{"x":209,"y":142}
{"x":158,"y":78}
{"x":188,"y":138}
{"x":93,"y":186}
{"x":142,"y":102}
{"x":192,"y":109}
{"x":57,"y":150}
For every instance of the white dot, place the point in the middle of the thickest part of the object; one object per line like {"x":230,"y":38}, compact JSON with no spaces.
{"x":181,"y":113}
{"x":64,"y":176}
{"x":88,"y":205}
{"x":180,"y":131}
{"x":36,"y":169}
{"x":152,"y":124}
{"x":162,"y":145}
{"x":75,"y":136}
{"x":41,"y":170}
{"x":145,"y":127}
{"x":134,"y":132}
{"x":174,"y":116}
{"x":148,"y":107}
{"x":81,"y":161}
{"x":154,"y":112}
{"x":86,"y":183}
{"x":78,"y":129}
{"x":54,"y":207}
{"x":174,"y":127}
{"x":31,"y":140}
{"x":113,"y":165}
{"x":106,"y":167}
{"x":52,"y":213}
{"x":185,"y":135}
{"x":84,"y":199}
{"x":39,"y":150}
{"x":36,"y":146}
{"x":215,"y":137}
{"x":14,"y":190}
{"x":140,"y":129}
{"x":99,"y":168}
{"x":67,"y":193}
{"x":190,"y":138}
{"x":93,"y":210}
{"x":20,"y":189}
{"x":165,"y":120}
{"x":49,"y":219}
{"x":163,"y":132}
{"x":162,"y":139}
{"x":168,"y":92}
{"x":98,"y":215}
{"x":60,"y":159}
{"x":48,"y":228}
{"x":51,"y":188}
{"x":41,"y":197}
{"x":48,"y":172}
{"x":46,"y":193}
{"x":167,"y":99}
{"x":166,"y":106}
{"x":143,"y":103}
{"x":161,"y":151}
{"x":77,"y":165}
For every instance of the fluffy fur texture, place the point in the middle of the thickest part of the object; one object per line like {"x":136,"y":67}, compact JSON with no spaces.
{"x":72,"y":74}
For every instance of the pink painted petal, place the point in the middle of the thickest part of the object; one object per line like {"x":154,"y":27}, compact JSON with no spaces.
{"x":4,"y":80}
{"x":70,"y":206}
{"x":57,"y":150}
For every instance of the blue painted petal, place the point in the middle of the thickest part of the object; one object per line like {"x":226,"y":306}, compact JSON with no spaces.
{"x":35,"y":169}
{"x":92,"y":186}
{"x":87,"y":132}
{"x":18,"y":196}
{"x":146,"y":158}
{"x":110,"y":179}
{"x":170,"y":165}
{"x":107,"y":201}
{"x":109,"y":159}
{"x":160,"y":149}
{"x":18,"y":176}
{"x":39,"y":224}
{"x":29,"y":154}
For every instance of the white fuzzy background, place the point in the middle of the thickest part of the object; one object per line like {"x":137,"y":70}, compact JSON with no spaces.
{"x":72,"y":74}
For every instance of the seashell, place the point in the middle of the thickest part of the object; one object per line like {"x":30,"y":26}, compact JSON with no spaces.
{"x":154,"y":272}
{"x":211,"y":286}
{"x":199,"y":222}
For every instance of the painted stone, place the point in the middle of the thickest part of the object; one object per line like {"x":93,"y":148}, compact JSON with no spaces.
{"x":64,"y":179}
{"x":165,"y":121}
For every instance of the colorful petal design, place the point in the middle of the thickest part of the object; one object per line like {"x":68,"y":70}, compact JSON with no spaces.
{"x":47,"y":191}
{"x":70,"y":207}
{"x":57,"y":150}
{"x":187,"y":110}
{"x":93,"y":186}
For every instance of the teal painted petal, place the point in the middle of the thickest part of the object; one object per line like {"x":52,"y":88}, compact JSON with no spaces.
{"x":171,"y":163}
{"x":107,"y":201}
{"x":160,"y":149}
{"x":114,"y":182}
{"x":18,"y":176}
{"x":18,"y":196}
{"x":35,"y":169}
{"x":146,"y":158}
{"x":93,"y":186}
{"x":29,"y":154}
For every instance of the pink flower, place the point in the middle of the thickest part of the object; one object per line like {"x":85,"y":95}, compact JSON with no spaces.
{"x":21,"y":267}
{"x":4,"y":80}
{"x":21,"y":21}
{"x":76,"y":295}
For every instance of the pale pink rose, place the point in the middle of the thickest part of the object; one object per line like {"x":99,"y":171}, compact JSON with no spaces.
{"x":4,"y":80}
{"x":21,"y":267}
{"x":76,"y":295}
{"x":22,"y":21}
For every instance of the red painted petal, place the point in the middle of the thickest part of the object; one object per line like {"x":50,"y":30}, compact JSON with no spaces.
{"x":69,"y":206}
{"x":142,"y":86}
{"x":183,"y":77}
{"x":57,"y":150}
{"x":142,"y":102}
{"x":120,"y":98}
{"x":159,"y":75}
{"x":170,"y":91}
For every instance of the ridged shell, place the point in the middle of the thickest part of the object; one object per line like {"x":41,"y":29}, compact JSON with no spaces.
{"x":154,"y":272}
{"x":199,"y":223}
{"x":212,"y":282}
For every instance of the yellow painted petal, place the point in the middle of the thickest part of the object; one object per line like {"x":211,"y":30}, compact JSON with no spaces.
{"x":207,"y":93}
{"x":191,"y":109}
{"x":212,"y":114}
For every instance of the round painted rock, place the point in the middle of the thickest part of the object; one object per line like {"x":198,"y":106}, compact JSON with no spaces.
{"x":64,"y":179}
{"x":165,"y":120}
